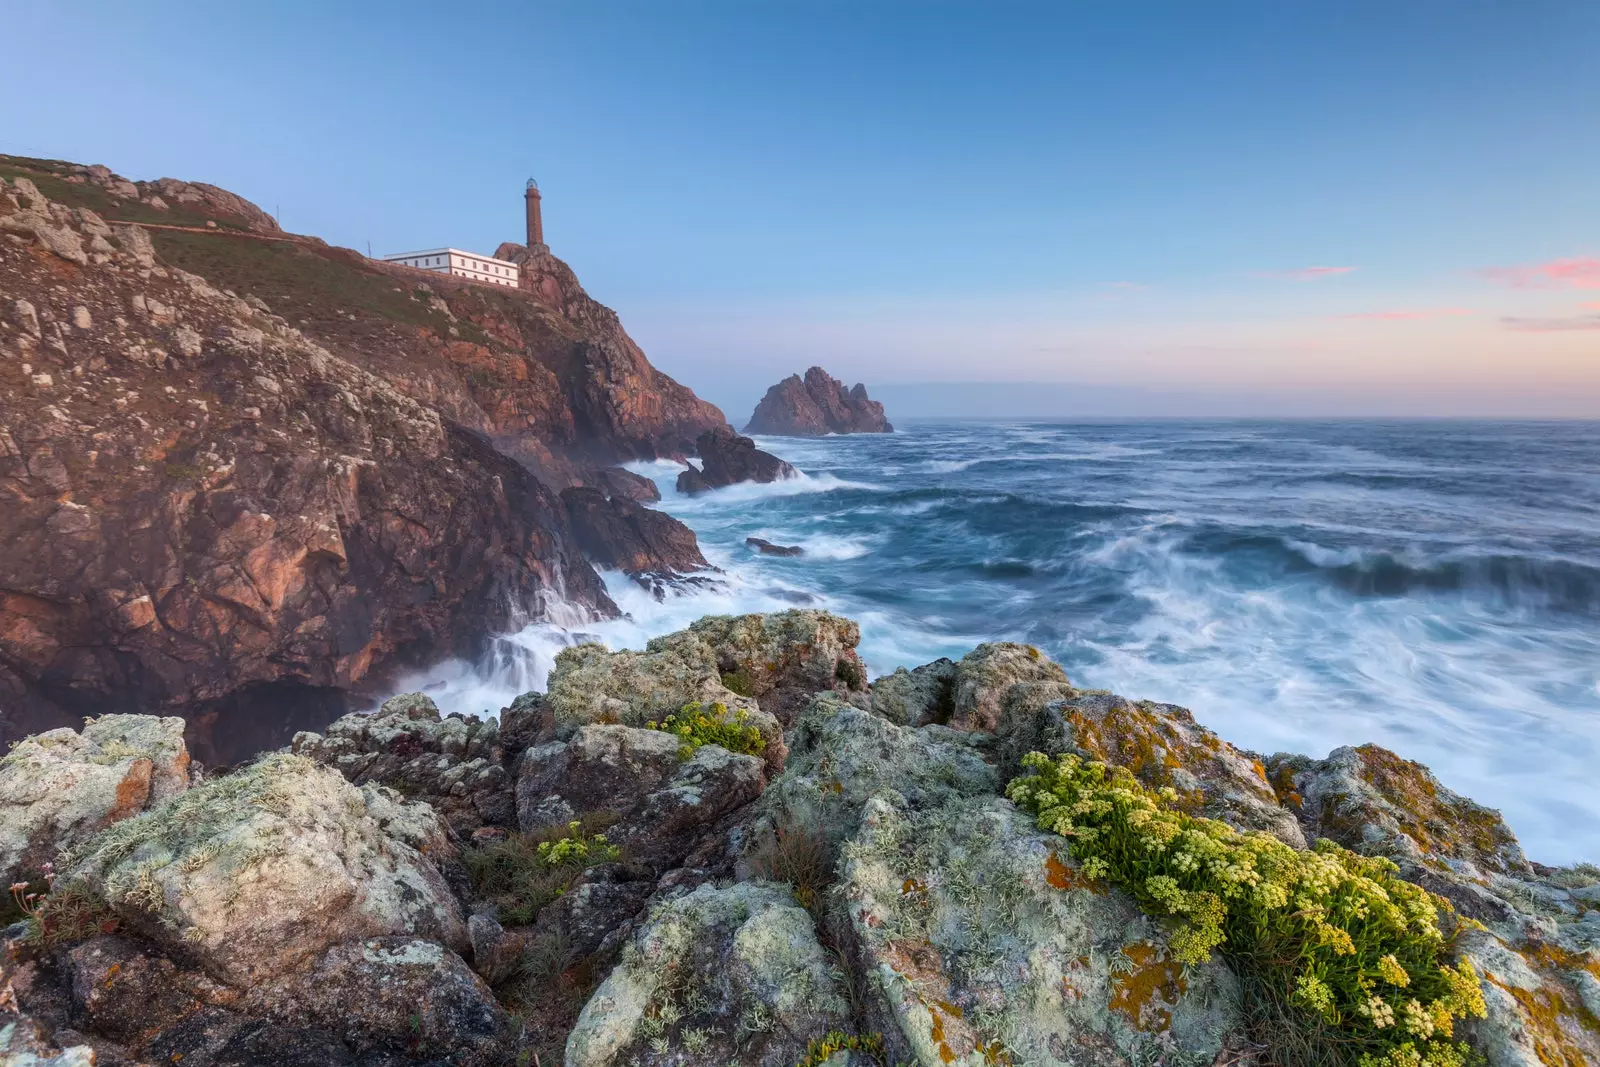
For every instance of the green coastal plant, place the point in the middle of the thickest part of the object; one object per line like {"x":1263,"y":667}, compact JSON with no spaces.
{"x":523,"y":872}
{"x":824,"y":1048}
{"x":694,"y":726}
{"x":1332,"y":942}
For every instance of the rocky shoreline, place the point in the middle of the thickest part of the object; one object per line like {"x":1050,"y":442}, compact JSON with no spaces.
{"x":730,"y":847}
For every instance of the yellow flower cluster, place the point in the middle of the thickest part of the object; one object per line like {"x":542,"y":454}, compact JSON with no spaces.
{"x":578,"y":850}
{"x":1328,"y":932}
{"x":694,"y":726}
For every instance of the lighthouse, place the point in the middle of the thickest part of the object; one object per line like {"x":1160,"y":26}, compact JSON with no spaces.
{"x":535,"y":221}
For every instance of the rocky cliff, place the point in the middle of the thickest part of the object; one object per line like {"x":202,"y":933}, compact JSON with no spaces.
{"x":815,"y":405}
{"x":241,"y":471}
{"x":730,"y":848}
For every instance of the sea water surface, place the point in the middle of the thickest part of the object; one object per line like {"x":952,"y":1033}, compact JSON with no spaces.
{"x":1430,"y":586}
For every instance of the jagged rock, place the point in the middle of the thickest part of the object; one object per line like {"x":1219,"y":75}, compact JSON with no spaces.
{"x":618,"y":534}
{"x":767,"y":548}
{"x":255,"y":873}
{"x":58,"y":789}
{"x":401,"y":993}
{"x":24,"y":1043}
{"x":591,"y":684}
{"x":621,"y":482}
{"x":714,"y":976}
{"x":841,"y":756}
{"x":980,"y":941}
{"x":216,"y":1037}
{"x":1373,"y":802}
{"x":727,"y":458}
{"x":125,"y":990}
{"x":663,"y":802}
{"x":783,"y":657}
{"x":454,"y":764}
{"x":495,"y":953}
{"x":917,"y":697}
{"x":993,"y":675}
{"x":817,"y":405}
{"x":1162,"y":745}
{"x":596,"y":916}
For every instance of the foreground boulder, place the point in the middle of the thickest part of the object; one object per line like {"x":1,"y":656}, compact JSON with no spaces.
{"x":662,"y":798}
{"x":58,"y":789}
{"x":454,"y":764}
{"x":727,"y":458}
{"x":816,"y":405}
{"x":717,"y":976}
{"x":258,"y":873}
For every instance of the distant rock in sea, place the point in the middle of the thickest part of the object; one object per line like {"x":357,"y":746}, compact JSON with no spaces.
{"x":815,"y":405}
{"x":767,"y":548}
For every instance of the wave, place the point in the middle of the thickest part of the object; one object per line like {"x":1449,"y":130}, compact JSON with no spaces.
{"x":1547,"y":583}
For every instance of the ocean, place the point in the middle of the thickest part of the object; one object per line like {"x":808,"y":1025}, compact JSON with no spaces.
{"x":1432,"y":586}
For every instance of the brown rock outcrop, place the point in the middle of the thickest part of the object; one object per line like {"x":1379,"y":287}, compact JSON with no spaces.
{"x":621,"y":535}
{"x":815,"y":405}
{"x":207,"y":511}
{"x":727,"y":458}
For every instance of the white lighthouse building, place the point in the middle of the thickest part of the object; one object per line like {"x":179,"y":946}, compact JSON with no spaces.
{"x":472,"y":265}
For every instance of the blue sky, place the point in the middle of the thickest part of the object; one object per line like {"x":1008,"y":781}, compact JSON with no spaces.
{"x":1123,"y":196}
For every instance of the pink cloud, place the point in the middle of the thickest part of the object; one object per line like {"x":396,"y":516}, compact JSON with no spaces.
{"x":1590,"y":305}
{"x":1576,"y":272}
{"x":1412,"y":315}
{"x":1552,"y":325}
{"x":1306,"y":274}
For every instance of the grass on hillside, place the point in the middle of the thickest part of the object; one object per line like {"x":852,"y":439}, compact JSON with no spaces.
{"x":49,"y":176}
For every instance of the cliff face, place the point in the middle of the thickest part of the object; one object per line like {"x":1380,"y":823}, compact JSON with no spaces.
{"x":240,"y":506}
{"x":815,"y":405}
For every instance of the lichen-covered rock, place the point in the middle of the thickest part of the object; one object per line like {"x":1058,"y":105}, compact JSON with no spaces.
{"x":993,"y":674}
{"x":401,"y":993}
{"x":254,"y":873}
{"x":662,"y":801}
{"x":57,"y":789}
{"x":980,"y":942}
{"x":454,"y":764}
{"x":1537,"y":952}
{"x":841,"y":756}
{"x":917,"y":697}
{"x":591,"y":684}
{"x":596,"y":915}
{"x":1162,"y":745}
{"x":715,"y":976}
{"x":1373,"y":802}
{"x":783,"y":657}
{"x":495,"y":951}
{"x":1543,"y":1000}
{"x":217,"y":1037}
{"x":24,"y":1043}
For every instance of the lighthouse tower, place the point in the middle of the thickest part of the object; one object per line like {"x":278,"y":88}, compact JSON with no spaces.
{"x":535,"y":221}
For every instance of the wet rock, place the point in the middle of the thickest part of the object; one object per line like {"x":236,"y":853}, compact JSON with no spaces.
{"x":618,"y":534}
{"x":714,"y":976}
{"x":1162,"y":745}
{"x":767,"y":548}
{"x":816,"y":405}
{"x":59,"y":788}
{"x":727,"y":458}
{"x":454,"y":764}
{"x":617,"y":482}
{"x":254,"y":873}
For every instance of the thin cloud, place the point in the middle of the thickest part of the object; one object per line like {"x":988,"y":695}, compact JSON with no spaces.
{"x":1590,"y":305}
{"x":1305,"y":274}
{"x":1552,"y":325}
{"x":1411,"y":314}
{"x":1127,"y":287}
{"x":1576,"y":272}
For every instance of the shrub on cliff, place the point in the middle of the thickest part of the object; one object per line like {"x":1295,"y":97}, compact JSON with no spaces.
{"x":1333,"y":942}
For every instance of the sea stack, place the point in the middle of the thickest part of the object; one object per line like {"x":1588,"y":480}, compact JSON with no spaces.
{"x":815,"y":405}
